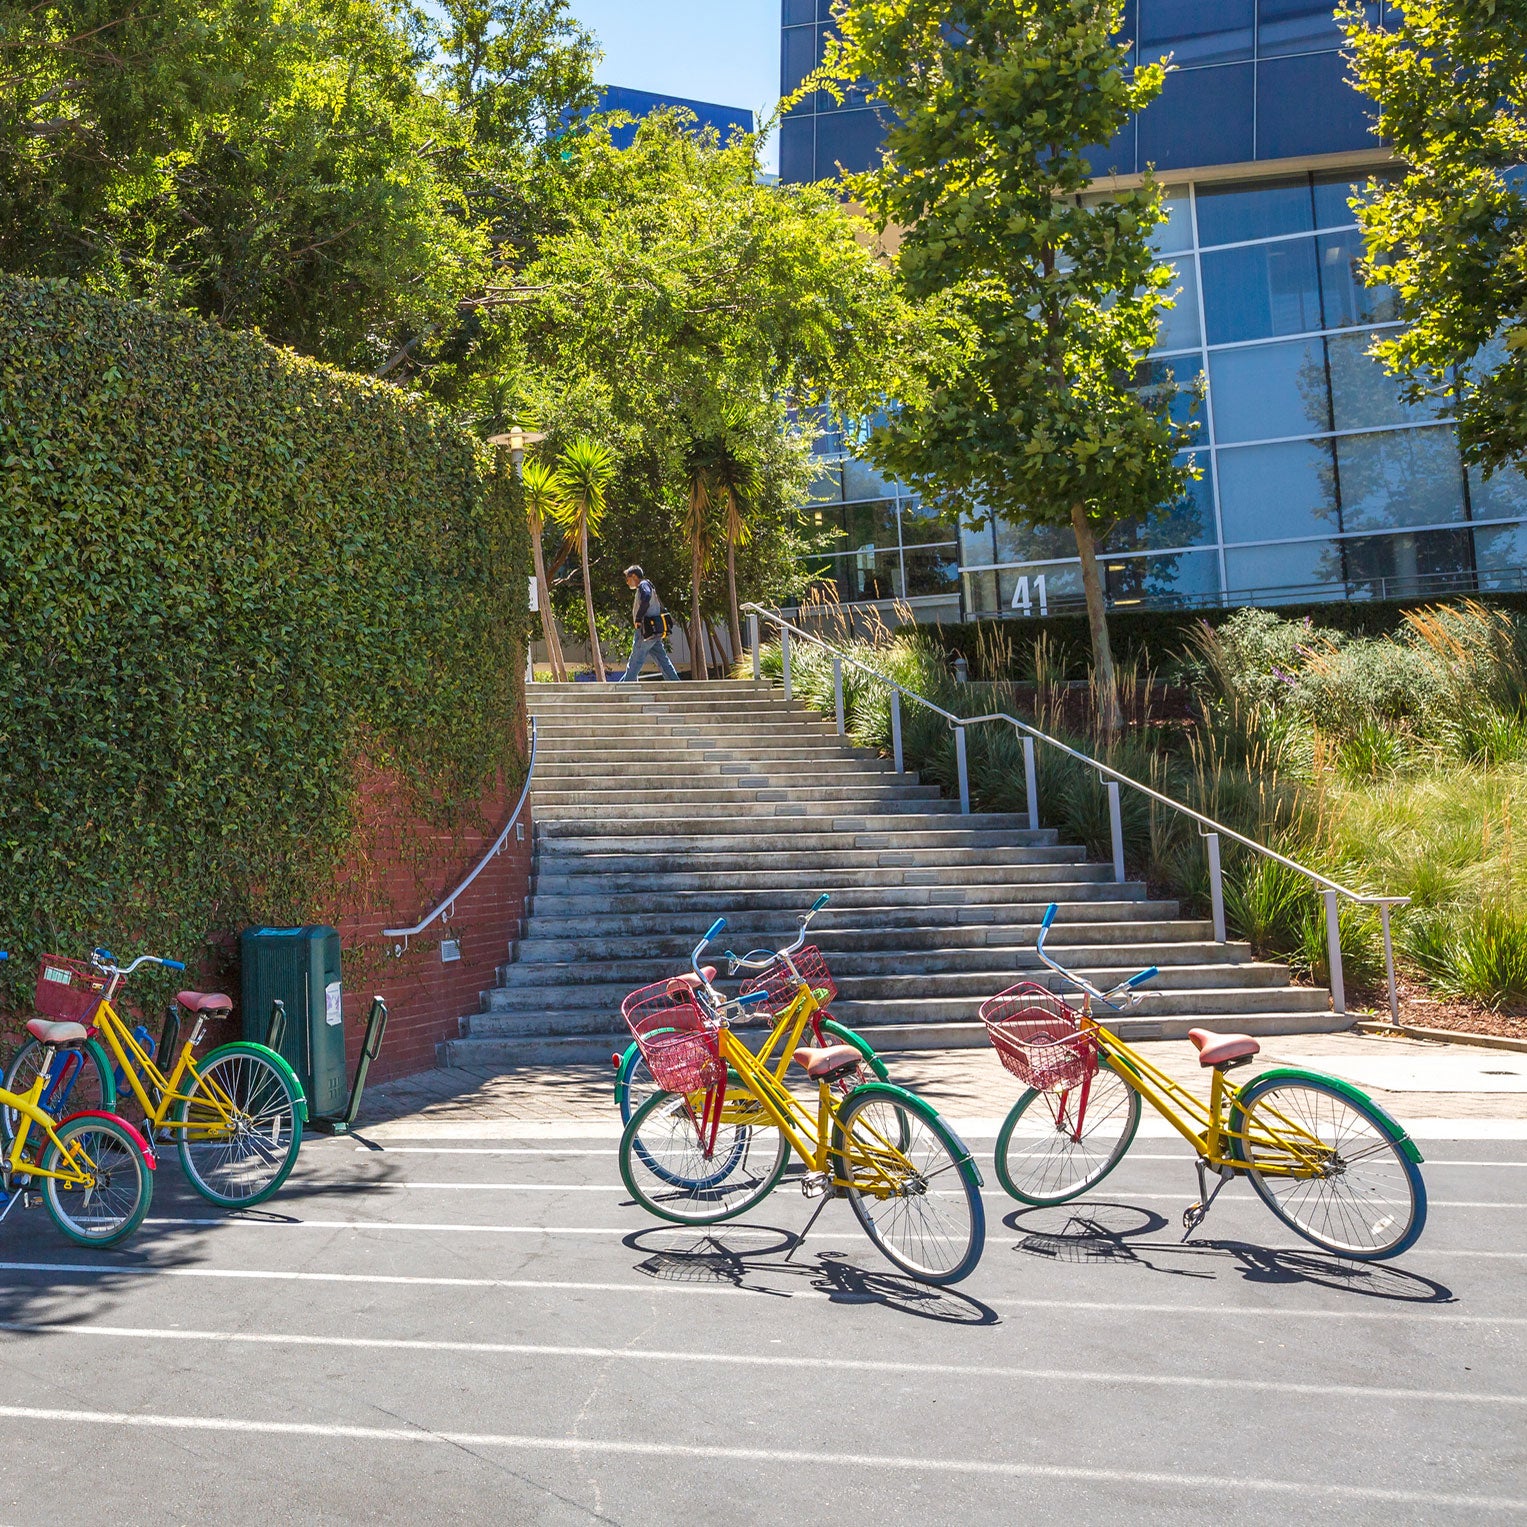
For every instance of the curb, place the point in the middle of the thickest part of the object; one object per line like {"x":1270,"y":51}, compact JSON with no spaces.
{"x":1447,"y":1036}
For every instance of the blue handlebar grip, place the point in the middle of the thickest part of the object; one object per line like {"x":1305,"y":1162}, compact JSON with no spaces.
{"x":105,"y":954}
{"x":715,"y":928}
{"x":172,"y":964}
{"x":820,"y":902}
{"x":1142,"y":978}
{"x":1049,"y":916}
{"x":752,"y":997}
{"x":4,"y":954}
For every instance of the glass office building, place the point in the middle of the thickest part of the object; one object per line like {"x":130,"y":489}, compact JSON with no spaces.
{"x":1315,"y":479}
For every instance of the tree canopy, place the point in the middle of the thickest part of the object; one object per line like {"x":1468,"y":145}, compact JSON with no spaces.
{"x":1450,"y":233}
{"x":993,"y":111}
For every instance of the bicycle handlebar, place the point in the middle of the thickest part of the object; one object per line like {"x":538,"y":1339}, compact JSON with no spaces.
{"x":105,"y":960}
{"x":1125,"y":988}
{"x":755,"y":959}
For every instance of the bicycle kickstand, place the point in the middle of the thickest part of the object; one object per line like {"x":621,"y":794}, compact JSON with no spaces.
{"x":807,"y":1186}
{"x":1195,"y":1214}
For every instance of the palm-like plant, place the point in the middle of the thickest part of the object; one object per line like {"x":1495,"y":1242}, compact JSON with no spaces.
{"x":733,"y":481}
{"x":539,"y":482}
{"x":699,"y":530}
{"x":582,"y":482}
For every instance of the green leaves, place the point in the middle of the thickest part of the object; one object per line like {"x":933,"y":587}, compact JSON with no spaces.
{"x":1449,"y":233}
{"x":230,"y":579}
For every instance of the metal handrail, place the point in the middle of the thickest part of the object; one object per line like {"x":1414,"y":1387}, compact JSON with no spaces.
{"x":448,"y":906}
{"x":1209,"y":829}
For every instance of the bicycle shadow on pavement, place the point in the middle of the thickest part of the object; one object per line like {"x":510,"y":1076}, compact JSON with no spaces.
{"x":765,"y":1260}
{"x":1103,"y":1234}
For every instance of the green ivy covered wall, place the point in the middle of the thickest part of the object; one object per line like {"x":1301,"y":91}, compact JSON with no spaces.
{"x":229,"y":578}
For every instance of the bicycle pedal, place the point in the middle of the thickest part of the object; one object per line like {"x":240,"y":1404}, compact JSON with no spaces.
{"x":816,"y":1184}
{"x":1192,"y":1217}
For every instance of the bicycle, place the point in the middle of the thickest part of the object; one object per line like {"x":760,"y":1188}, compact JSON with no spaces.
{"x":1326,"y":1160}
{"x":236,"y":1116}
{"x":634,"y":1083}
{"x":716,"y":1139}
{"x":95,"y":1170}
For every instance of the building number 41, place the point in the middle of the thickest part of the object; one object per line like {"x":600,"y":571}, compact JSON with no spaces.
{"x":1021,"y":599}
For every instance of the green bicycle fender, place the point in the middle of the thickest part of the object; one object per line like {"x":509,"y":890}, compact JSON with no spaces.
{"x":106,"y":1069}
{"x":1395,"y":1130}
{"x":248,"y":1047}
{"x":897,"y":1094}
{"x":860,"y":1043}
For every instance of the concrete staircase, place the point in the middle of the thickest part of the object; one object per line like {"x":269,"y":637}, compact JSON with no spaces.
{"x":658,"y":807}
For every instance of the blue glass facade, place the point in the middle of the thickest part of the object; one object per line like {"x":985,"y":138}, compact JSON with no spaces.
{"x":638,"y":103}
{"x":1316,"y":479}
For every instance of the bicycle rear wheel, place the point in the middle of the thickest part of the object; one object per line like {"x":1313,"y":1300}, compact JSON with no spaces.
{"x":243,"y":1129}
{"x":1330,"y":1165}
{"x":113,"y":1205}
{"x":82,"y":1082}
{"x":1045,"y":1155}
{"x":668,"y":1171}
{"x":912,"y":1184}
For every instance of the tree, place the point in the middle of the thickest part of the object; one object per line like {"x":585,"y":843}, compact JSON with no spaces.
{"x":991,"y":109}
{"x":582,"y":483}
{"x":1449,"y":235}
{"x":539,"y":485}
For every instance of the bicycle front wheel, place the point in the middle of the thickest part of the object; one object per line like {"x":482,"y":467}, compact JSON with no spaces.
{"x":81,"y":1082}
{"x":1052,"y":1147}
{"x":1330,"y":1165}
{"x":668,"y":1170}
{"x":240,"y":1127}
{"x":112,"y":1204}
{"x":911,"y":1183}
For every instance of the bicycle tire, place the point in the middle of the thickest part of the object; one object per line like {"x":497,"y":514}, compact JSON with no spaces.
{"x":92,"y":1088}
{"x":1355,"y":1129}
{"x":914,"y":1215}
{"x":112,"y":1209}
{"x":249,"y":1169}
{"x":661,"y":1163}
{"x":1023,"y":1174}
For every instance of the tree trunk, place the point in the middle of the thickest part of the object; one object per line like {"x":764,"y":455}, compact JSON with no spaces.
{"x":731,"y":594}
{"x":543,"y":598}
{"x":1105,"y":684}
{"x":697,"y":668}
{"x":588,"y":602}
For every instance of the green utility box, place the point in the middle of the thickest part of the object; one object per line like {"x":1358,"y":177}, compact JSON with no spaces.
{"x":301,"y":967}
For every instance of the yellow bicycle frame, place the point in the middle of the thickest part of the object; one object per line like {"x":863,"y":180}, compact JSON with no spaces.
{"x":159,"y":1097}
{"x":1282,"y":1148}
{"x":879,"y":1167}
{"x":79,"y":1168}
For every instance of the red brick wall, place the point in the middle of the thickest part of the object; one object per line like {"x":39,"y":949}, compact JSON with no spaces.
{"x":405,"y":868}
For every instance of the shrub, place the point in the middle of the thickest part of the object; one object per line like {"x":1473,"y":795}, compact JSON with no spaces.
{"x":226,"y":573}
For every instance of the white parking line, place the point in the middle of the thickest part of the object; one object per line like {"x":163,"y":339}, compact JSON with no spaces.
{"x":732,"y":1358}
{"x":1407,"y":1311}
{"x":1220,"y":1484}
{"x":234,"y":1221}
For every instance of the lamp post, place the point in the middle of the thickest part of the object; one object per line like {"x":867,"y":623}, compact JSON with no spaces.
{"x":517,"y":439}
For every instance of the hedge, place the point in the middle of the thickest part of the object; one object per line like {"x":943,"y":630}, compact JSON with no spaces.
{"x":226,"y":574}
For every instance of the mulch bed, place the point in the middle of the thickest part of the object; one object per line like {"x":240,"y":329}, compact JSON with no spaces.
{"x":1419,"y":1008}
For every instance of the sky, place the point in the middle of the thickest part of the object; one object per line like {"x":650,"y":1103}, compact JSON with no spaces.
{"x":724,"y":51}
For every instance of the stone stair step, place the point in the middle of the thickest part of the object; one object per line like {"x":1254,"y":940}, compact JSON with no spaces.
{"x":810,"y":822}
{"x":695,"y":878}
{"x":974,"y":903}
{"x":733,"y":842}
{"x":739,"y":860}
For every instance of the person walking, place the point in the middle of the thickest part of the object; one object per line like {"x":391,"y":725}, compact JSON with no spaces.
{"x":651,"y":627}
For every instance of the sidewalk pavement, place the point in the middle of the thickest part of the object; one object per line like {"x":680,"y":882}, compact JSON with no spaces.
{"x":1421,"y":1084}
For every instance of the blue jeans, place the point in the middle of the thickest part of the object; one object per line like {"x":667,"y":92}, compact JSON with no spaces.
{"x":643,"y":647}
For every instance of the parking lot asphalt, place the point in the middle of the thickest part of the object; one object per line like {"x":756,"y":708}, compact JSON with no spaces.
{"x":427,"y":1328}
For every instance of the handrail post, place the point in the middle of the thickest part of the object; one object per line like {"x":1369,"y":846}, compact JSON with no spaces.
{"x":1116,"y":828}
{"x":1333,"y":954}
{"x":753,"y":642}
{"x":837,"y":691}
{"x":963,"y":770}
{"x":1216,"y":886}
{"x":1031,"y":783}
{"x":784,"y":648}
{"x":1394,"y":995}
{"x":896,"y":730}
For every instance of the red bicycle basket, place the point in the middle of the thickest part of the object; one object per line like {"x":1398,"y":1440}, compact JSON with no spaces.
{"x":681,"y":1052}
{"x":1039,"y":1038}
{"x":782,"y":986}
{"x":68,"y":990}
